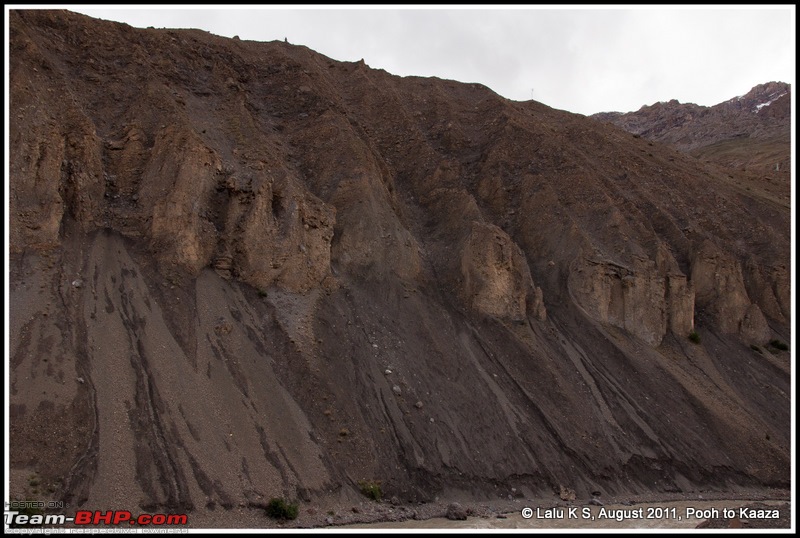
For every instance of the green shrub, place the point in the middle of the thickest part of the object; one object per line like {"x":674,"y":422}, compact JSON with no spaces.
{"x":371,"y":489}
{"x":777,"y":344}
{"x":280,"y":509}
{"x":756,"y":348}
{"x":694,"y":337}
{"x":262,"y":293}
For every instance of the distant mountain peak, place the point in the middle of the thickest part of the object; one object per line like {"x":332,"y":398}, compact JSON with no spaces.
{"x":762,"y":113}
{"x":759,"y":96}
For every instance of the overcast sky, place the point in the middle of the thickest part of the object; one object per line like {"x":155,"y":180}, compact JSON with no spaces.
{"x":581,"y":60}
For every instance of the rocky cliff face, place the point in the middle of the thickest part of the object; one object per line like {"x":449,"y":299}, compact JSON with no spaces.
{"x":643,"y":300}
{"x":243,"y":270}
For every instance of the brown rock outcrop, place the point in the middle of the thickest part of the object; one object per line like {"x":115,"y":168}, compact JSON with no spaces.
{"x":754,"y":327}
{"x":282,"y":236}
{"x":496,"y":278}
{"x":719,"y":287}
{"x":638,"y":298}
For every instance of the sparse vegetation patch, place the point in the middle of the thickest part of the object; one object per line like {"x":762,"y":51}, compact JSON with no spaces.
{"x":279,"y":508}
{"x":371,"y":489}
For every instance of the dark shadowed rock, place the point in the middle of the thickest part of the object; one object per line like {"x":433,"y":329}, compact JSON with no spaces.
{"x":456,"y":512}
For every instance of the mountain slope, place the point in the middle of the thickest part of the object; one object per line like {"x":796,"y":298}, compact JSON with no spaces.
{"x":242,"y":270}
{"x":748,"y":136}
